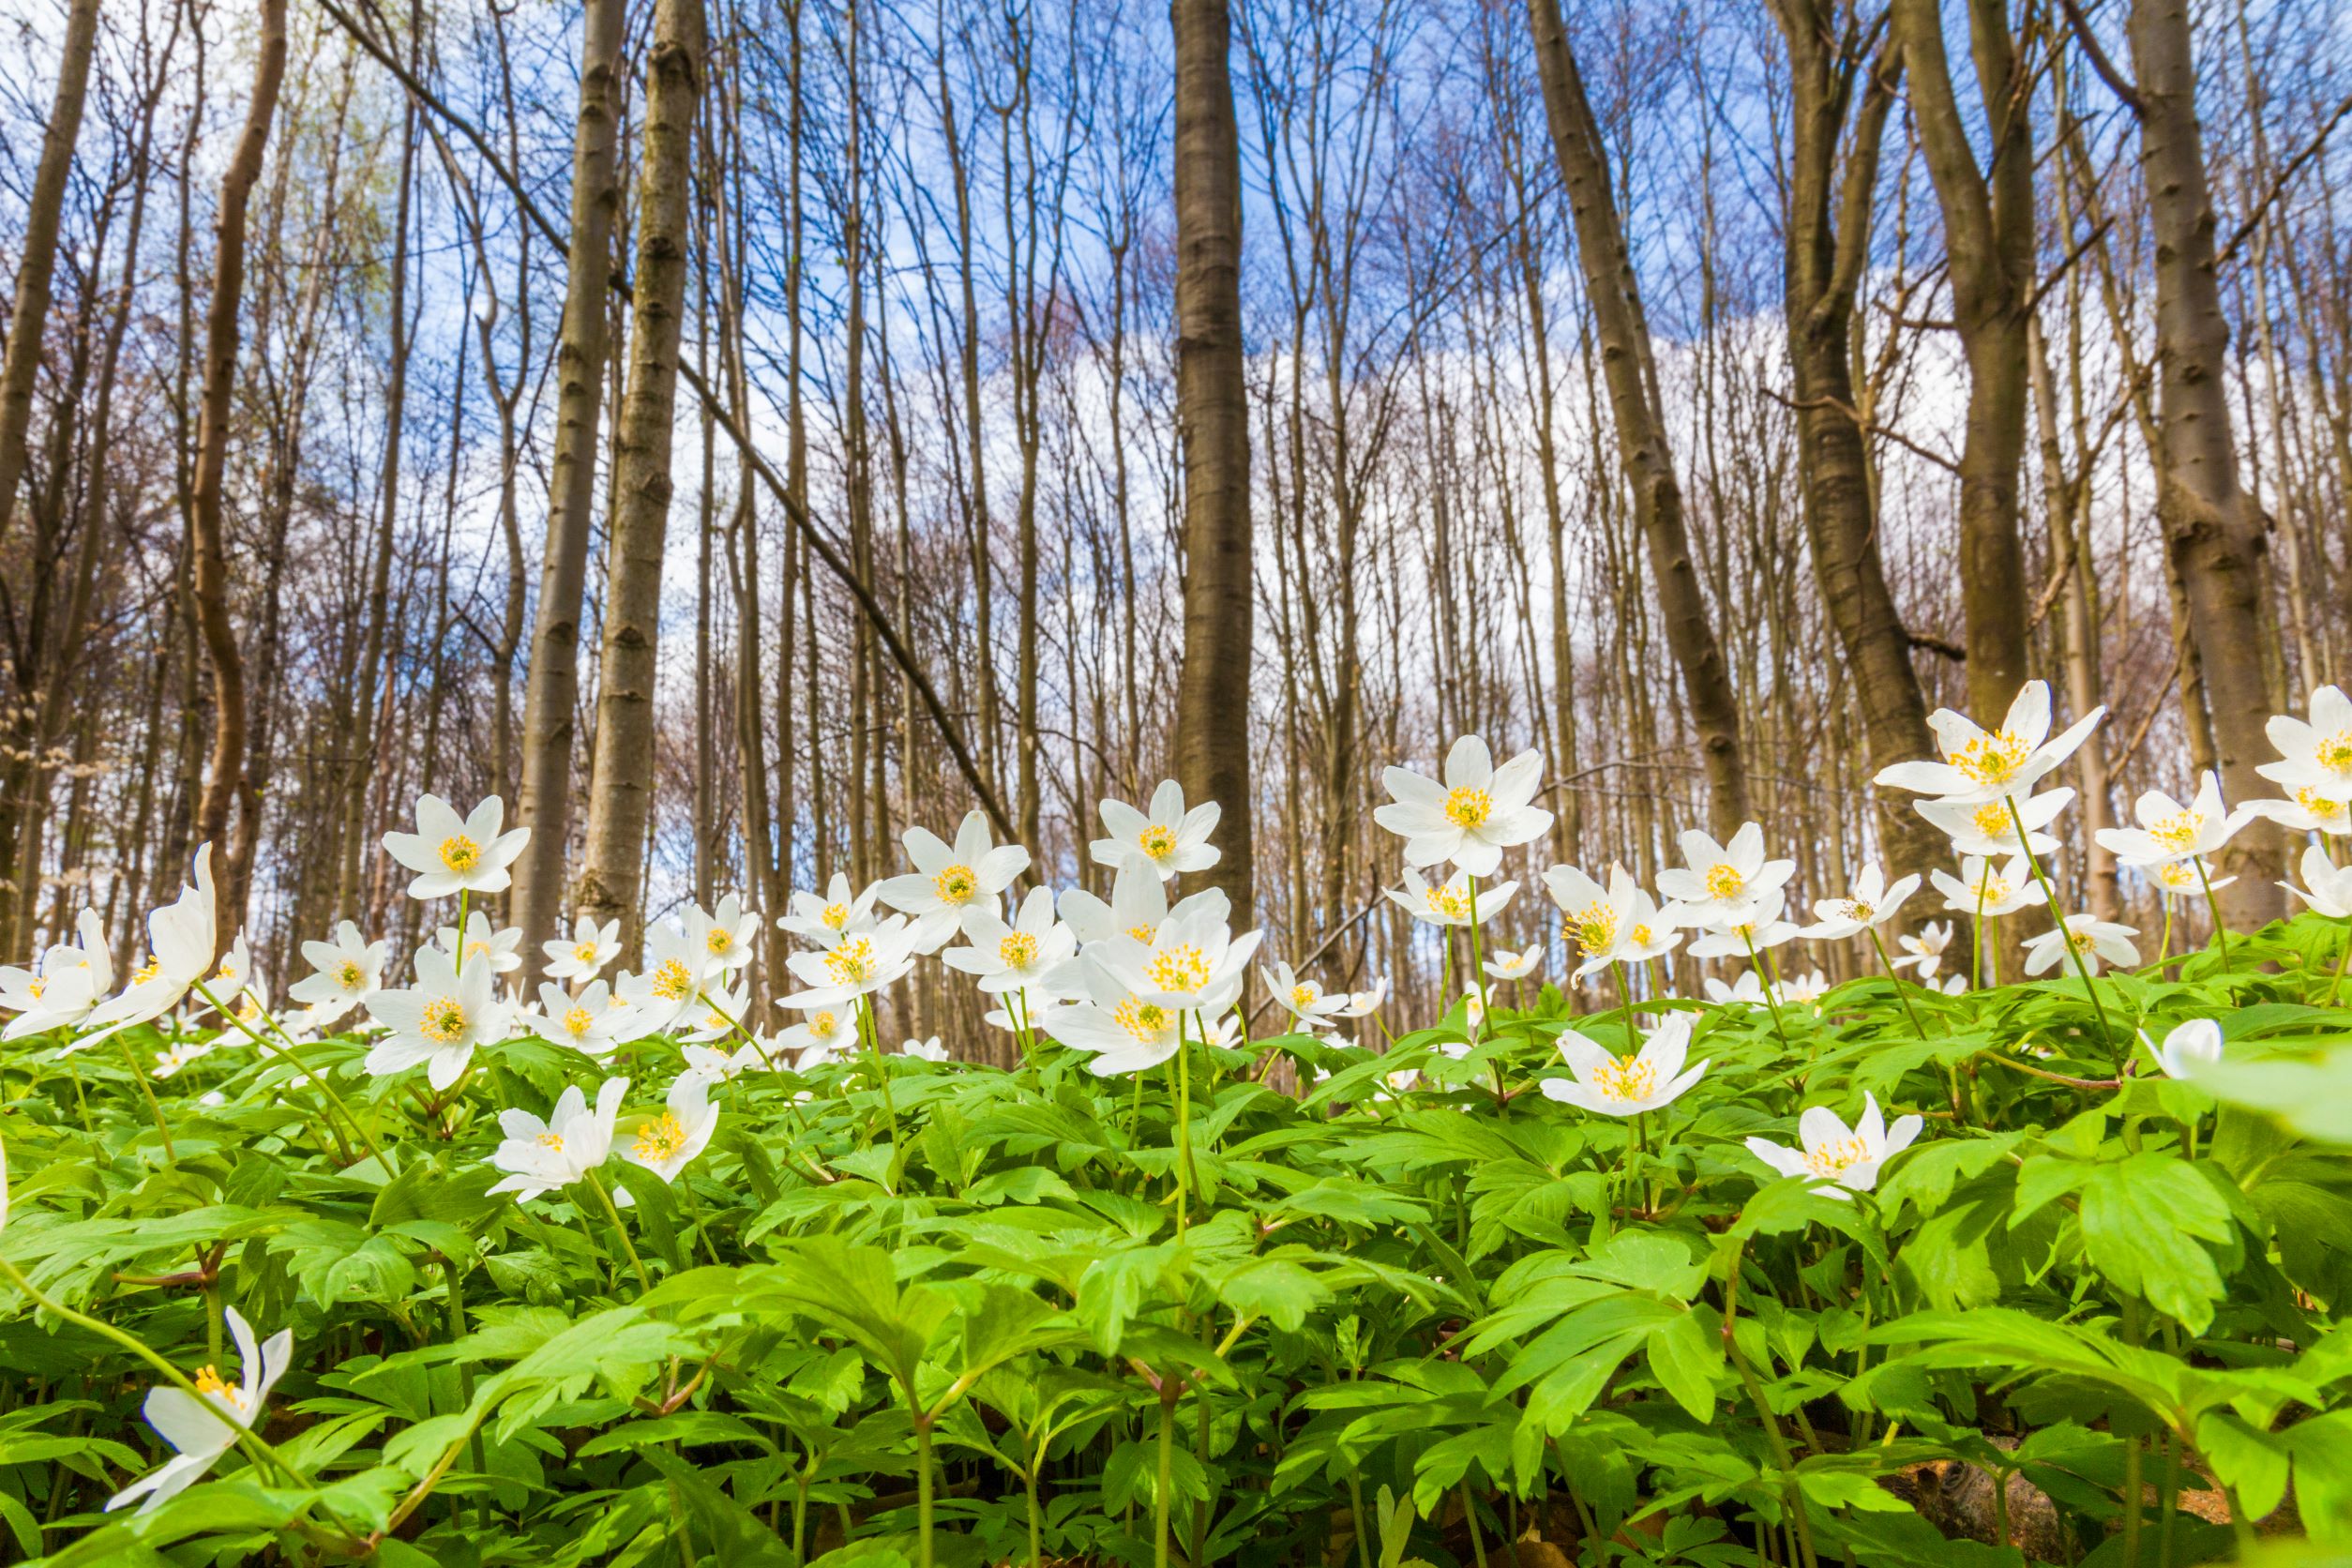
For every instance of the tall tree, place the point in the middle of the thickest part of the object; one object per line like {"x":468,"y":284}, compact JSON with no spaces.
{"x":619,"y":801}
{"x":1212,"y":425}
{"x":551,"y":688}
{"x":1632,"y":377}
{"x":2214,"y":528}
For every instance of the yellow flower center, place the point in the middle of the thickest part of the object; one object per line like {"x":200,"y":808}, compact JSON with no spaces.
{"x":2081,"y":942}
{"x":672,"y":981}
{"x":1994,"y":890}
{"x":146,"y":971}
{"x":1158,"y":841}
{"x":2176,"y":832}
{"x":443,"y":1020}
{"x":460,"y":854}
{"x":209,"y":1382}
{"x":955,"y":884}
{"x":1724,"y":880}
{"x":721,"y":941}
{"x":660,"y":1138}
{"x":1643,"y":936}
{"x":2335,"y":752}
{"x":2319,"y":806}
{"x":853,"y":963}
{"x":1832,"y":1160}
{"x":1992,"y":758}
{"x":478,"y":949}
{"x":824,"y":1025}
{"x":1450,"y":902}
{"x":835,"y":916}
{"x":37,"y":986}
{"x":1146,"y":1020}
{"x":1857,"y":911}
{"x":552,"y":1139}
{"x":1626,"y":1078}
{"x":2177,"y":876}
{"x":584,"y":952}
{"x":1142,"y":934}
{"x":349,"y":975}
{"x":1595,"y":927}
{"x":1991,"y":820}
{"x":1017,"y":950}
{"x":1178,"y":969}
{"x":1301,"y":997}
{"x":1467,"y":808}
{"x":579,"y":1021}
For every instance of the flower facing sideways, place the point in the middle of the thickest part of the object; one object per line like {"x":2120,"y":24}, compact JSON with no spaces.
{"x":1980,"y":765}
{"x":924,"y":1050}
{"x":1871,"y":904}
{"x":1479,"y":811}
{"x":858,"y":965}
{"x":2326,"y":886}
{"x":484,"y":943}
{"x":1986,"y":826}
{"x":1119,"y":1031}
{"x":1168,"y":838}
{"x":2093,"y":941}
{"x":1627,"y":1085}
{"x":1016,"y":956}
{"x":182,"y":937}
{"x":453,"y":855}
{"x":2179,"y":878}
{"x":204,"y":1426}
{"x":1507,"y":965}
{"x":65,"y":988}
{"x":1453,"y":903}
{"x":1304,"y":1000}
{"x":1744,"y":936}
{"x":664,"y":1141}
{"x":1923,"y":949}
{"x":2169,"y":831}
{"x":542,"y":1156}
{"x":1981,"y":888}
{"x":2316,"y":754}
{"x":1620,"y":925}
{"x":823,"y":921}
{"x":826,"y":1034}
{"x":2189,"y":1047}
{"x":1846,"y":1159}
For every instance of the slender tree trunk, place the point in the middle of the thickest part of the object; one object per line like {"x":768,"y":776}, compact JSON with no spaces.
{"x":211,"y":588}
{"x":1213,"y":719}
{"x":551,"y":688}
{"x":621,"y":801}
{"x":28,"y":317}
{"x":1632,"y":378}
{"x":2214,"y":531}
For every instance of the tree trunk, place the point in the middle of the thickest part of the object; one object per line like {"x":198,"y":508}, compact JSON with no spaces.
{"x":212,"y":449}
{"x":621,"y":800}
{"x":2213,"y":529}
{"x":551,"y":687}
{"x":1213,"y":422}
{"x":1632,"y":378}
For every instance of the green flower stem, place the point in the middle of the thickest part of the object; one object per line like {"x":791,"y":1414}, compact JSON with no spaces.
{"x":2220,"y":932}
{"x":644,"y":1280}
{"x":1625,"y":1004}
{"x":457,"y":964}
{"x":318,"y":1080}
{"x":1896,"y":980}
{"x":736,"y":1024}
{"x":2342,"y":958}
{"x":2066,"y":937}
{"x":923,"y":1504}
{"x":147,"y":1090}
{"x":1771,"y":1000}
{"x":1477,"y":969}
{"x":1168,"y":1478}
{"x":864,"y":1006}
{"x":1976,"y":943}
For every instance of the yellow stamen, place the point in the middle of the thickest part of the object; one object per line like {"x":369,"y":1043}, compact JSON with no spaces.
{"x":443,"y":1020}
{"x":1466,"y":807}
{"x":659,"y":1139}
{"x":853,"y":963}
{"x":672,"y":981}
{"x":460,"y":854}
{"x":1018,"y":950}
{"x":579,"y":1021}
{"x":1146,"y":1020}
{"x":1626,"y":1078}
{"x":955,"y":884}
{"x":1724,"y":880}
{"x":1832,"y":1160}
{"x":1158,"y":841}
{"x":1178,"y":969}
{"x":1991,"y":757}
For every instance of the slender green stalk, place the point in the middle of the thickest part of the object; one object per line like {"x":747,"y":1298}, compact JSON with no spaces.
{"x":1478,"y":966}
{"x":2333,"y":986}
{"x":2221,"y":931}
{"x":644,"y":1280}
{"x":923,"y":1500}
{"x":1771,"y":1000}
{"x":864,"y":1007}
{"x":147,"y":1090}
{"x":1905,"y":997}
{"x":457,"y":964}
{"x":2066,"y":935}
{"x":317,"y":1080}
{"x":1167,"y":1481}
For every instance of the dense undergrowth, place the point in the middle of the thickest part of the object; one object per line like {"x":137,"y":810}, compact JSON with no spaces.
{"x":1431,"y":1304}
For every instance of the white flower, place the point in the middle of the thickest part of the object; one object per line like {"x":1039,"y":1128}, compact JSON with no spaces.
{"x":2177,"y":879}
{"x":1722,"y":884}
{"x":2190,"y":1046}
{"x":725,"y":932}
{"x":664,"y":1143}
{"x":1626,"y":1085}
{"x":1304,"y":1000}
{"x":455,"y":854}
{"x":1477,"y":813}
{"x":1452,"y":904}
{"x":1507,"y":965}
{"x":2327,"y":888}
{"x":1363,"y":1004}
{"x":722,"y":1015}
{"x":1014,"y":957}
{"x":1802,"y":990}
{"x":1985,"y":827}
{"x":1992,"y":764}
{"x":575,"y":1138}
{"x":1871,"y":904}
{"x":67,"y":986}
{"x":1120,"y":1032}
{"x":1168,"y":838}
{"x":439,"y":1021}
{"x":2169,"y":831}
{"x":1193,"y":963}
{"x":823,"y":922}
{"x":1846,"y":1160}
{"x":946,"y":881}
{"x":350,"y":971}
{"x":2319,"y":754}
{"x":2306,"y":811}
{"x":499,"y":949}
{"x":677,"y":966}
{"x":182,"y":937}
{"x":1979,"y":889}
{"x":924,"y":1050}
{"x":1620,"y":925}
{"x":826,"y":1034}
{"x":204,"y":1426}
{"x":857,"y":966}
{"x":583,"y":957}
{"x":1923,"y":950}
{"x":1747,"y":991}
{"x":169,"y":1062}
{"x":592,"y":1023}
{"x":1748,"y":935}
{"x":708,"y":1064}
{"x":2091,"y":940}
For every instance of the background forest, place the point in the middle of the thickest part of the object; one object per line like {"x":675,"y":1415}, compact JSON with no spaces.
{"x":1885,"y":398}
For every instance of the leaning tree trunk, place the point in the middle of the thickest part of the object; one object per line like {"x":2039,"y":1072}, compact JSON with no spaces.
{"x":29,"y":318}
{"x":551,"y":687}
{"x":211,"y":587}
{"x":1989,"y":242}
{"x":1213,"y":422}
{"x":2214,"y":530}
{"x":1828,"y":196}
{"x":1632,"y":377}
{"x":621,"y":797}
